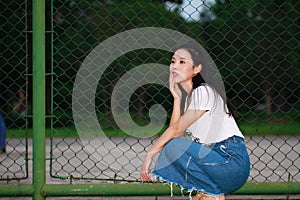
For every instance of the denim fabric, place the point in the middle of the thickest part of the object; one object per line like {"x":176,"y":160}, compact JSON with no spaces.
{"x":215,"y":169}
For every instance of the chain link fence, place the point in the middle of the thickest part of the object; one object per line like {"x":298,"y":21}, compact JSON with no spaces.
{"x":254,"y":44}
{"x":14,"y":106}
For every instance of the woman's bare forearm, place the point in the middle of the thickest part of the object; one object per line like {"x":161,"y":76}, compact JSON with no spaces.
{"x":176,"y":112}
{"x":177,"y":129}
{"x":169,"y":134}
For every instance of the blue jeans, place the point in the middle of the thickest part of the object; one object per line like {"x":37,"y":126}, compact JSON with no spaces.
{"x":2,"y":133}
{"x":215,"y":169}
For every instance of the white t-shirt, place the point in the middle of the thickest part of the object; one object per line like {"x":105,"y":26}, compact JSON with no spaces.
{"x":215,"y":125}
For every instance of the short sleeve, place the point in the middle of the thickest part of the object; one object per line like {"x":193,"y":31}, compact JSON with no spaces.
{"x":202,"y":98}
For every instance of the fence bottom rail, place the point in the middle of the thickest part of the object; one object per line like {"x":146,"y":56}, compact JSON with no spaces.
{"x":137,"y":189}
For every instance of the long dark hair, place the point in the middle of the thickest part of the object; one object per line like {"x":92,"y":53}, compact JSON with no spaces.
{"x":209,"y":74}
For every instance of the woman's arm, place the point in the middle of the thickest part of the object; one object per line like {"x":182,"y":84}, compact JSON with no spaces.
{"x":177,"y":95}
{"x":177,"y":129}
{"x":176,"y":111}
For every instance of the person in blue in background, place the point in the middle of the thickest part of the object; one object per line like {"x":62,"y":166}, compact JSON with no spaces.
{"x":2,"y":126}
{"x":2,"y":135}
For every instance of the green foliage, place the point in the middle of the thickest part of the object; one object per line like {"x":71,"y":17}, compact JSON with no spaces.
{"x":254,"y":44}
{"x":86,"y":24}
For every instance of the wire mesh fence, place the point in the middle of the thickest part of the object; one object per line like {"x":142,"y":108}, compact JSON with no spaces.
{"x":14,"y":105}
{"x":254,"y":44}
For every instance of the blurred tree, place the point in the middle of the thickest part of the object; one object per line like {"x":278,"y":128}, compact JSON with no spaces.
{"x":255,"y":45}
{"x":13,"y":56}
{"x":161,"y":1}
{"x":82,"y":25}
{"x":171,"y":1}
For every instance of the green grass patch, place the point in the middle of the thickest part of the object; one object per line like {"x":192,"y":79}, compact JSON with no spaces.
{"x":248,"y":128}
{"x":265,"y":128}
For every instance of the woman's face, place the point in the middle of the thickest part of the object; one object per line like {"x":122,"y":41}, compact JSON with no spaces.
{"x":182,"y":68}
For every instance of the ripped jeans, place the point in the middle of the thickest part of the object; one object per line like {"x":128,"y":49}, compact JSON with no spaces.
{"x":215,"y":169}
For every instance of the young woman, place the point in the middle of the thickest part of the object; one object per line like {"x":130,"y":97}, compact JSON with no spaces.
{"x":203,"y":148}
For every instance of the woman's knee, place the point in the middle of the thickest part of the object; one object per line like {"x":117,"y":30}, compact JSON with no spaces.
{"x":175,"y":142}
{"x":176,"y":146}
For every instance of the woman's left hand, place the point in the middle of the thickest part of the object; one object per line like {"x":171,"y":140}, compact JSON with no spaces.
{"x":144,"y":174}
{"x":174,"y":89}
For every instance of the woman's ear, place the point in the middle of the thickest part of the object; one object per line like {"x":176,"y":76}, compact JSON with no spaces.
{"x":198,"y":69}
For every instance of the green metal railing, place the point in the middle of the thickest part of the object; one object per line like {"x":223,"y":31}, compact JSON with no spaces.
{"x":40,"y":189}
{"x":39,"y":88}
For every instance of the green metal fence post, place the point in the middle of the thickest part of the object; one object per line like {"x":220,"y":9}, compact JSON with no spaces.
{"x":39,"y":165}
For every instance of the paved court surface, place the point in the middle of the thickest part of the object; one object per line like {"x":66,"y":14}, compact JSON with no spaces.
{"x":272,"y":158}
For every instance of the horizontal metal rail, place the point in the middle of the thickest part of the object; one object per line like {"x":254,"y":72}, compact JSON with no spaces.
{"x":137,"y":189}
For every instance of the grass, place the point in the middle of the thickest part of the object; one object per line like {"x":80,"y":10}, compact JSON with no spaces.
{"x":262,"y":128}
{"x":248,"y":129}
